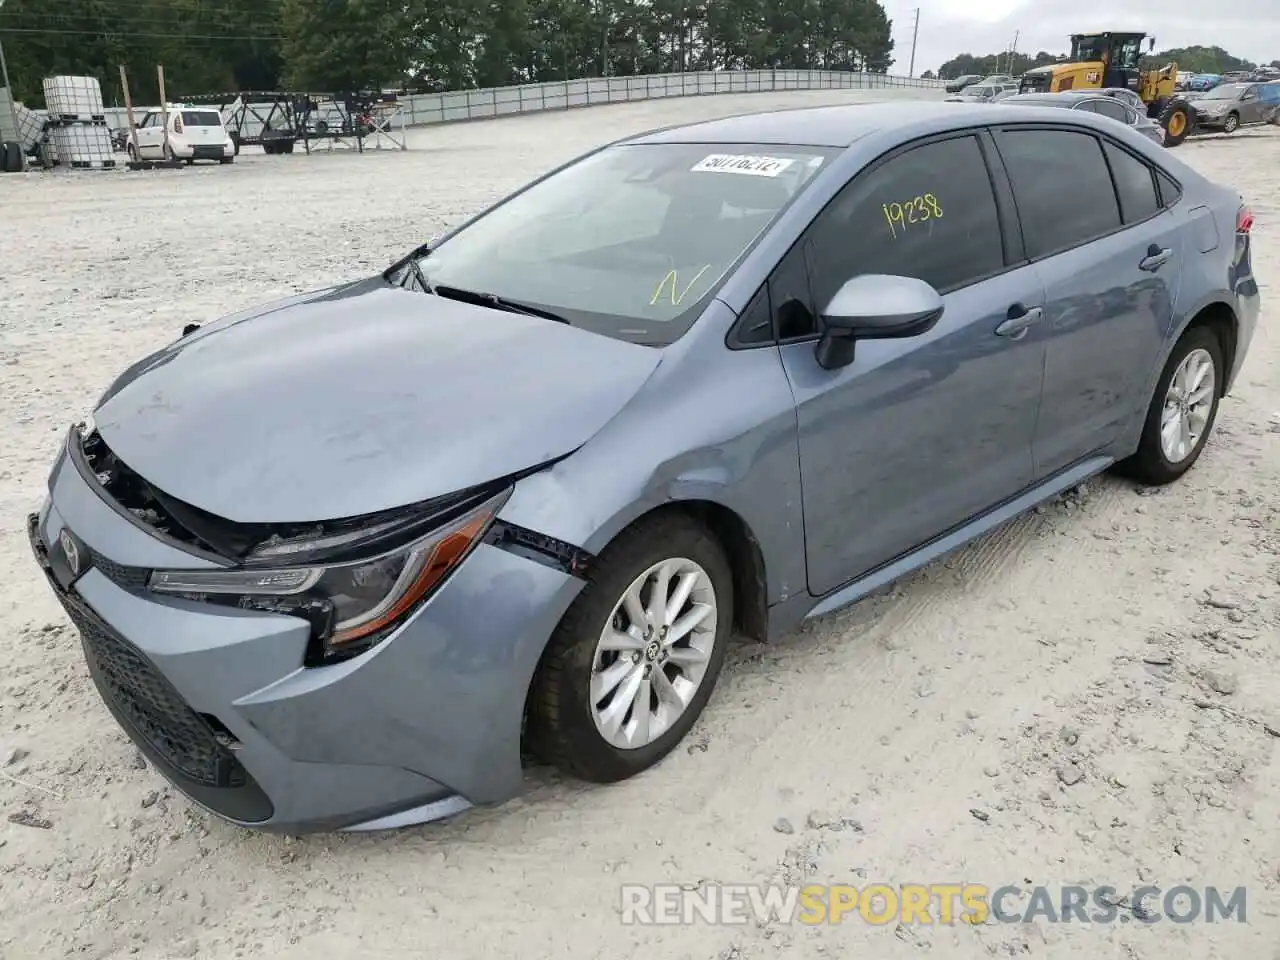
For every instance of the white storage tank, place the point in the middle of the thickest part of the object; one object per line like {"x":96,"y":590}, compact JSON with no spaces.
{"x":83,"y":146}
{"x":73,"y":98}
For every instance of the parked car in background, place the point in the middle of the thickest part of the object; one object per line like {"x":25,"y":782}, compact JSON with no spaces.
{"x":1125,"y":95}
{"x":1269,"y":94}
{"x":1203,"y":81}
{"x":980,"y":93}
{"x":195,"y":133}
{"x":959,"y":83}
{"x":1232,"y":105}
{"x":1095,"y":101}
{"x":708,"y":381}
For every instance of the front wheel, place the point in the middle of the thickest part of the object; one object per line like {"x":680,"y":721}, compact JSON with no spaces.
{"x":1182,"y":412}
{"x":1175,"y":118}
{"x":634,"y":660}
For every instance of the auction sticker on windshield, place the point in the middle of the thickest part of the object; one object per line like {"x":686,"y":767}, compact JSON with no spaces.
{"x":747,"y":165}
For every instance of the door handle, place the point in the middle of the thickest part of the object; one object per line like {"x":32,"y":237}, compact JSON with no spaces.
{"x":1016,"y":326}
{"x":1156,"y":258}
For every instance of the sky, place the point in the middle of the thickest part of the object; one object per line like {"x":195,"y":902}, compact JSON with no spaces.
{"x":1245,"y":28}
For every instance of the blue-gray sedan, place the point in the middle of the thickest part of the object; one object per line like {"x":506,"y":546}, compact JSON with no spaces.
{"x":338,"y":561}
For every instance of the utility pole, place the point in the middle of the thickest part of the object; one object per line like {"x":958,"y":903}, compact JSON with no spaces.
{"x":1013,"y":51}
{"x":915,"y":32}
{"x":13,"y":110}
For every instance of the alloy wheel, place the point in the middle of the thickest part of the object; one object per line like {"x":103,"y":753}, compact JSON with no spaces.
{"x":1187,"y":406}
{"x":653,"y":653}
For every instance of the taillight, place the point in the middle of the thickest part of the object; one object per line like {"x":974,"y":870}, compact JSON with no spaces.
{"x":1244,"y":219}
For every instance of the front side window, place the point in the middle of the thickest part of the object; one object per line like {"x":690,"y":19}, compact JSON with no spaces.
{"x":630,"y":242}
{"x":928,"y":213}
{"x":1228,"y":91}
{"x":1062,"y":188}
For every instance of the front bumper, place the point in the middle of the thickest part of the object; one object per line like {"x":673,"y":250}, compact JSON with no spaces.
{"x":421,"y":727}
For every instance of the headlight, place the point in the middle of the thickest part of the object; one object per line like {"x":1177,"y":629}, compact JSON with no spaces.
{"x":350,"y":605}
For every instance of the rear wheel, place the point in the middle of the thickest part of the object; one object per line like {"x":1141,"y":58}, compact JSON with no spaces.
{"x":634,"y":660}
{"x":1182,"y":411}
{"x":1232,"y":123}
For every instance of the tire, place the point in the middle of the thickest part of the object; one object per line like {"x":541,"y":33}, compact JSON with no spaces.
{"x":11,"y":157}
{"x":1232,"y":123}
{"x":562,"y":727}
{"x":226,"y":160}
{"x":1177,"y":120}
{"x":1150,"y":464}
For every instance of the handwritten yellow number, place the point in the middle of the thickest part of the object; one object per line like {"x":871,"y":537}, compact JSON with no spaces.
{"x":919,"y":209}
{"x":677,"y":295}
{"x":658,"y":293}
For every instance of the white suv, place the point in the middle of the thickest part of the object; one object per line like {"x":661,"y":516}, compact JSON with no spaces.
{"x":195,"y":133}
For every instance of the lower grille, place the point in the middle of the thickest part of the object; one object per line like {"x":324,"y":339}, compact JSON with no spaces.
{"x":152,"y":707}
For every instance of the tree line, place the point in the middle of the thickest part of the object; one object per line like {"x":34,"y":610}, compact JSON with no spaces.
{"x":332,"y":46}
{"x":1196,"y":59}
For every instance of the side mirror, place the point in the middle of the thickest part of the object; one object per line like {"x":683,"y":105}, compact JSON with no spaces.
{"x":875,"y":306}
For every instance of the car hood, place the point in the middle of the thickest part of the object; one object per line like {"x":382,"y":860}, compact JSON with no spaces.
{"x":359,"y":399}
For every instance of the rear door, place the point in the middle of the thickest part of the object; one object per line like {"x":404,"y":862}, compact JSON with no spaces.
{"x":203,"y":128}
{"x":1110,"y":258}
{"x":916,"y":435}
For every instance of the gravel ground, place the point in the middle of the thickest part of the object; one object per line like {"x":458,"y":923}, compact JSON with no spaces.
{"x":1089,"y":695}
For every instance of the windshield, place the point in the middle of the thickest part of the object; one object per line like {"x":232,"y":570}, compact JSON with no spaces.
{"x":979,"y":92}
{"x":1087,"y":49}
{"x":629,"y":242}
{"x":1228,"y":92}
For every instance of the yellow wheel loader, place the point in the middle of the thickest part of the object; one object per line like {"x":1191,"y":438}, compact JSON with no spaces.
{"x":1112,"y":60}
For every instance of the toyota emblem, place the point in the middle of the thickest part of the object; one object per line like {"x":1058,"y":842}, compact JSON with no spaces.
{"x":71,"y":552}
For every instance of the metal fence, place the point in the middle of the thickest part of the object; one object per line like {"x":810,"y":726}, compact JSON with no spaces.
{"x":460,"y":105}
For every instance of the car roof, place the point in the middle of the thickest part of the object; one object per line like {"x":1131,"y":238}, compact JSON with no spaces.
{"x":1062,"y":99}
{"x":840,"y":126}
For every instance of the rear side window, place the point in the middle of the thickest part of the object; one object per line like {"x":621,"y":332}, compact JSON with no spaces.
{"x":1135,"y":184}
{"x":928,"y":213}
{"x":1111,"y":108}
{"x":1062,"y":188}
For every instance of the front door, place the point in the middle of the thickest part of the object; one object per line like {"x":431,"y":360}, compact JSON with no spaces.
{"x":917,"y":435}
{"x":1110,"y":271}
{"x":150,"y":137}
{"x":1250,"y":106}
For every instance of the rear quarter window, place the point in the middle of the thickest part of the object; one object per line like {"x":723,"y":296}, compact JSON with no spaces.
{"x":1135,"y":184}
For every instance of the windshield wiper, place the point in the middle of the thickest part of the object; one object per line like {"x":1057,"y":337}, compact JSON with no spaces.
{"x":497,"y":302}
